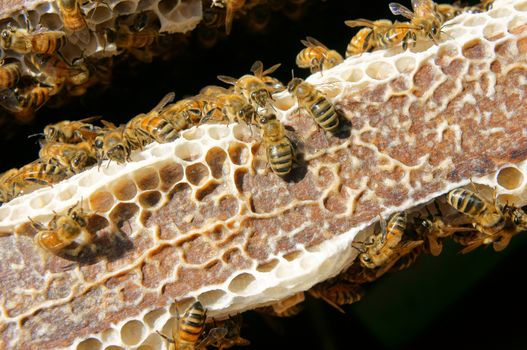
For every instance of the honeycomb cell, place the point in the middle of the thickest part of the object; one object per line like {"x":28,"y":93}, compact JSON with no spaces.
{"x":113,"y":347}
{"x":499,"y":13}
{"x":353,"y":75}
{"x":242,"y":132}
{"x":238,"y":153}
{"x":284,"y":103}
{"x":308,"y":262}
{"x":268,"y":266}
{"x":88,"y":181}
{"x":405,"y":64}
{"x":147,"y":178}
{"x":475,"y":49}
{"x":90,"y":344}
{"x":212,"y":296}
{"x":206,"y":190}
{"x":146,"y":347}
{"x":153,"y":316}
{"x":475,"y":21}
{"x":189,"y":151}
{"x":99,"y":14}
{"x":197,"y":173}
{"x":522,"y":6}
{"x":101,"y":201}
{"x":132,"y":332}
{"x":125,"y":7}
{"x":153,"y":341}
{"x":170,"y":173}
{"x":124,"y":189}
{"x":510,"y":199}
{"x":243,"y":284}
{"x":193,"y":134}
{"x":215,"y":159}
{"x":510,"y":178}
{"x":380,"y":70}
{"x":239,"y":178}
{"x":122,"y":212}
{"x":41,"y":201}
{"x":218,"y":132}
{"x":293,"y":255}
{"x":51,"y":21}
{"x":67,"y":193}
{"x":144,"y":4}
{"x":167,"y":6}
{"x":493,"y":30}
{"x":149,"y":199}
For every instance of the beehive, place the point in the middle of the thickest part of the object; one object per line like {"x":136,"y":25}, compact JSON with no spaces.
{"x":201,"y":218}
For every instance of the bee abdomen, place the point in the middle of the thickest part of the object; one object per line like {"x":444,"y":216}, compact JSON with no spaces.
{"x":193,"y":323}
{"x":325,"y":114}
{"x":396,"y":226}
{"x":466,"y":202}
{"x":281,"y":158}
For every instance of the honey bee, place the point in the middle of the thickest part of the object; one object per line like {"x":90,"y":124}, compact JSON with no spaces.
{"x":73,"y":20}
{"x":23,"y":41}
{"x":72,"y":158}
{"x":225,"y":334}
{"x":54,"y":71}
{"x":278,"y":148}
{"x":516,"y":216}
{"x":385,"y":248}
{"x":273,"y":84}
{"x":315,"y":102}
{"x":7,"y":186}
{"x":409,"y":259}
{"x":39,"y":173}
{"x":111,"y":144}
{"x":144,"y":128}
{"x":68,"y":131}
{"x":231,"y":6}
{"x":252,"y":87}
{"x":287,"y":307}
{"x":316,"y":56}
{"x":25,"y":101}
{"x":423,"y":17}
{"x":236,"y":108}
{"x":336,"y":293}
{"x":358,"y":274}
{"x":63,"y":230}
{"x":188,"y":329}
{"x":434,"y":230}
{"x":381,"y":34}
{"x":9,"y":75}
{"x":446,"y":12}
{"x":136,"y":36}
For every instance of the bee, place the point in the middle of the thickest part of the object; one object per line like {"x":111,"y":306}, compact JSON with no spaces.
{"x":188,"y":329}
{"x":516,"y":216}
{"x":225,"y":334}
{"x":7,"y":186}
{"x":23,"y":41}
{"x":111,"y":144}
{"x":358,"y":274}
{"x":39,"y":173}
{"x":384,"y":249}
{"x":136,"y":36}
{"x":278,"y":148}
{"x":73,"y":20}
{"x":409,"y":259}
{"x":9,"y":75}
{"x":231,"y":6}
{"x":446,"y":12}
{"x":273,"y":84}
{"x":236,"y":108}
{"x":381,"y":34}
{"x":63,"y":230}
{"x":486,"y":5}
{"x":315,"y":102}
{"x":144,"y":128}
{"x":433,"y":229}
{"x":68,"y":131}
{"x":25,"y":101}
{"x":316,"y":56}
{"x":423,"y":16}
{"x":72,"y":158}
{"x":54,"y":71}
{"x":252,"y":87}
{"x":336,"y":293}
{"x":287,"y":307}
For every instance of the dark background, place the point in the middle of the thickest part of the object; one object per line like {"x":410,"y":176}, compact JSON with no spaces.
{"x":451,"y":301}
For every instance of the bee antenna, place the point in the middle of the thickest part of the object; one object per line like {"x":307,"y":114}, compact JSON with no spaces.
{"x":37,"y":134}
{"x":292,"y":73}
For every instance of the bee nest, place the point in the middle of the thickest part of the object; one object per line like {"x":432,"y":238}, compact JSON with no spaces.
{"x":202,"y":218}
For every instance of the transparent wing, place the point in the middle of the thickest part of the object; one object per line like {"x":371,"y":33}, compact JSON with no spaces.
{"x":398,"y":9}
{"x":227,"y":79}
{"x":270,"y":69}
{"x":257,"y":68}
{"x":166,"y":100}
{"x":359,"y":23}
{"x":312,"y":42}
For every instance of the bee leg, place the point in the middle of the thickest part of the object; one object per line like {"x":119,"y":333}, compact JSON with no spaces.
{"x":164,"y":336}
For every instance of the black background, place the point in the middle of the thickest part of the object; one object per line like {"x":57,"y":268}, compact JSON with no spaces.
{"x":444,"y":302}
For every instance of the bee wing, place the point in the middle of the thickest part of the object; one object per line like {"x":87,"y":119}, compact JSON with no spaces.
{"x":271,"y":69}
{"x":312,"y":42}
{"x":471,"y":246}
{"x":257,"y":68}
{"x":213,"y":336}
{"x":229,"y":15}
{"x":398,"y":9}
{"x":166,"y":100}
{"x":361,"y":22}
{"x":90,"y":119}
{"x":227,"y":79}
{"x":108,"y":125}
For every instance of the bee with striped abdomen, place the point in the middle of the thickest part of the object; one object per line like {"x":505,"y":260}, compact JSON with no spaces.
{"x":24,"y":41}
{"x":337,"y":293}
{"x":278,"y":148}
{"x":7,"y":186}
{"x":68,"y":131}
{"x":10,"y":73}
{"x":74,"y":21}
{"x":316,"y":56}
{"x":424,"y":17}
{"x":72,"y":158}
{"x":188,"y":329}
{"x":315,"y":103}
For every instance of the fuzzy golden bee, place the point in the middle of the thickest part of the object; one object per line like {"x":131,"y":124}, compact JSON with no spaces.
{"x":10,"y":74}
{"x":278,"y":148}
{"x":74,"y":131}
{"x":7,"y":186}
{"x":423,"y":17}
{"x":188,"y":329}
{"x":24,"y":41}
{"x":39,"y":173}
{"x":63,"y":230}
{"x":252,"y":87}
{"x":188,"y":112}
{"x":315,"y":103}
{"x":72,"y":158}
{"x":225,"y":334}
{"x":74,"y":21}
{"x":112,"y":144}
{"x":25,"y":101}
{"x":236,"y":108}
{"x":316,"y":56}
{"x":337,"y":293}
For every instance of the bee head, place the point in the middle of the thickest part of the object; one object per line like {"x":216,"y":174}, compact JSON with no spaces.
{"x":366,"y":260}
{"x":261,"y":97}
{"x":293,"y":84}
{"x":118,"y":153}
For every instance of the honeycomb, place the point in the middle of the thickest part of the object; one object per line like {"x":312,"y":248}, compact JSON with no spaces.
{"x":204,"y":218}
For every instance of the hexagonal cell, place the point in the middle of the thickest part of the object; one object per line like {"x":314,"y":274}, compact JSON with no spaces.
{"x":206,"y":190}
{"x":405,"y":64}
{"x":67,"y":193}
{"x":212,"y":296}
{"x":353,"y":75}
{"x":153,"y":316}
{"x":284,"y":103}
{"x":41,"y":201}
{"x":475,"y":49}
{"x":215,"y":159}
{"x":510,"y":178}
{"x":239,"y":153}
{"x":239,"y":178}
{"x":197,"y":173}
{"x":153,"y":341}
{"x":509,"y":199}
{"x":492,"y":31}
{"x":170,"y":173}
{"x":51,"y":21}
{"x":149,"y":199}
{"x":124,"y":189}
{"x":515,"y":24}
{"x":189,"y":151}
{"x":218,"y":132}
{"x":132,"y":332}
{"x":99,"y":14}
{"x":167,"y":6}
{"x":267,"y":266}
{"x":242,"y":132}
{"x":499,"y":13}
{"x":101,"y":201}
{"x":293,"y":255}
{"x":331,"y":88}
{"x":380,"y":70}
{"x":193,"y":134}
{"x":522,"y":6}
{"x":474,"y":21}
{"x":122,"y":212}
{"x":146,"y":178}
{"x":243,"y":284}
{"x":113,"y":347}
{"x":90,"y":344}
{"x":125,"y":7}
